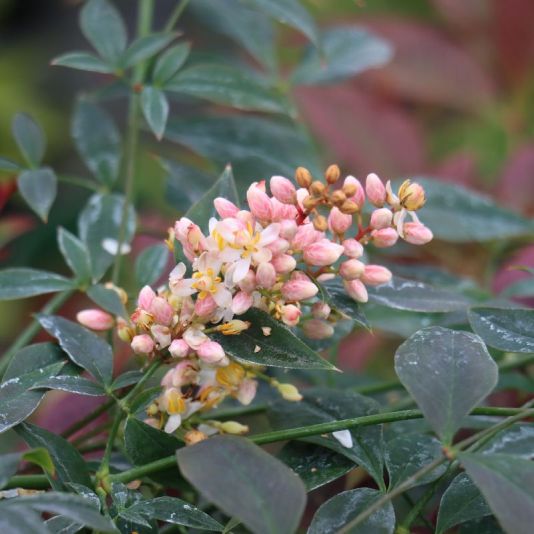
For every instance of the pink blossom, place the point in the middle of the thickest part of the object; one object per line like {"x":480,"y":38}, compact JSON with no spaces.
{"x":211,"y":352}
{"x":179,"y":348}
{"x":322,"y":253}
{"x":351,"y":269}
{"x":339,"y":222}
{"x":162,"y":335}
{"x":288,"y":229}
{"x":95,"y":319}
{"x":145,"y":298}
{"x":279,"y":246}
{"x":183,"y":374}
{"x":375,"y":275}
{"x":142,"y":344}
{"x":417,"y":233}
{"x":284,"y":263}
{"x":259,"y":202}
{"x":283,"y":190}
{"x":321,"y":310}
{"x":386,"y":237}
{"x":299,"y":290}
{"x":241,"y":302}
{"x":317,"y":329}
{"x":281,"y":212}
{"x":381,"y":218}
{"x":225,"y":208}
{"x":359,"y":196}
{"x":248,"y":283}
{"x":356,"y":290}
{"x":291,"y":314}
{"x":352,"y":248}
{"x":376,"y":190}
{"x":265,"y":275}
{"x":206,"y":306}
{"x":306,"y":235}
{"x":247,"y":391}
{"x":161,"y":310}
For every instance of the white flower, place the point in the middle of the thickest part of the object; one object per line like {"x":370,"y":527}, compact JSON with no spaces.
{"x":175,"y":421}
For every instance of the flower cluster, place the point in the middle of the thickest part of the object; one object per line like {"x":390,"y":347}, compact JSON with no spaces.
{"x":271,"y":256}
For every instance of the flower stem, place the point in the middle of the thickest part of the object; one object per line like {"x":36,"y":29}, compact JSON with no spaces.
{"x":175,"y":15}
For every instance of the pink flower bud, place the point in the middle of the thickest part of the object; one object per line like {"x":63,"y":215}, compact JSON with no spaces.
{"x":265,"y":275}
{"x":162,"y":335}
{"x":205,"y":307}
{"x":317,"y":329}
{"x":375,"y":189}
{"x":417,"y":233}
{"x":352,"y":248}
{"x":356,"y":290}
{"x":95,"y":319}
{"x":161,"y":310}
{"x":375,"y":275}
{"x":145,"y":298}
{"x":225,"y":208}
{"x":384,"y":238}
{"x":279,"y":246}
{"x":142,"y":344}
{"x":288,"y":229}
{"x":351,"y":269}
{"x":280,"y":212}
{"x":291,"y":314}
{"x":283,"y":190}
{"x":211,"y":352}
{"x":247,"y":391}
{"x":339,"y":222}
{"x":194,"y":337}
{"x":306,"y":235}
{"x":190,"y":236}
{"x":241,"y":302}
{"x":359,"y":196}
{"x":321,"y":310}
{"x":248,"y":284}
{"x":179,"y":348}
{"x":381,"y":218}
{"x":322,"y":253}
{"x":284,"y":263}
{"x":259,"y":202}
{"x":183,"y":374}
{"x":299,"y":290}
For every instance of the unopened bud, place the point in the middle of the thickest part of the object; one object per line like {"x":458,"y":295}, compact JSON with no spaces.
{"x":295,"y":290}
{"x":259,"y":202}
{"x":386,"y":237}
{"x":417,"y":233}
{"x":349,"y":206}
{"x":233,"y":327}
{"x":353,"y":248}
{"x":284,"y":263}
{"x":95,"y":319}
{"x":288,"y":391}
{"x":291,"y":315}
{"x":317,"y":329}
{"x":376,"y":190}
{"x":338,"y":197}
{"x":375,"y":275}
{"x":310,"y":203}
{"x":351,"y":269}
{"x":211,"y":352}
{"x":283,"y":190}
{"x":411,"y":195}
{"x":194,"y":436}
{"x":354,"y":190}
{"x":339,"y":222}
{"x":356,"y":290}
{"x":124,"y":331}
{"x":265,"y":275}
{"x":381,"y":218}
{"x":349,"y":189}
{"x":317,"y":188}
{"x":303,"y":177}
{"x":320,"y":223}
{"x":321,"y":310}
{"x":152,"y":409}
{"x":231,"y":427}
{"x":142,"y":344}
{"x":332,"y":174}
{"x":322,"y":253}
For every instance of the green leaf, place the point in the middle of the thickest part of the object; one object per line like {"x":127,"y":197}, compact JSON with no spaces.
{"x":176,"y":512}
{"x":126,"y":379}
{"x":62,"y":525}
{"x":316,"y":466}
{"x":510,"y":330}
{"x":108,"y":299}
{"x":403,"y":294}
{"x":33,"y":358}
{"x":17,"y":520}
{"x":82,"y":61}
{"x":146,"y":47}
{"x":84,"y":348}
{"x":9,"y":463}
{"x":73,"y":506}
{"x":75,"y":253}
{"x":101,"y":220}
{"x":30,"y":138}
{"x":72,"y":384}
{"x":68,"y":462}
{"x":97,"y":140}
{"x":460,"y":215}
{"x":170,"y":62}
{"x":324,"y":405}
{"x":103,"y":27}
{"x":41,"y":457}
{"x":336,"y":296}
{"x":8,"y":467}
{"x":292,"y":13}
{"x":461,"y":502}
{"x":151,"y":263}
{"x":338,"y":511}
{"x":250,"y":28}
{"x":228,"y":85}
{"x":155,"y":109}
{"x":255,"y":146}
{"x":281,"y":348}
{"x":231,"y":472}
{"x":517,"y":440}
{"x":405,"y":455}
{"x":39,"y":189}
{"x":448,"y":373}
{"x":344,"y":53}
{"x":507,"y":483}
{"x":19,"y":283}
{"x":9,"y":166}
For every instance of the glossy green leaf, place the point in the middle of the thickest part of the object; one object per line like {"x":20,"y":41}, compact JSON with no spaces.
{"x":73,"y":506}
{"x":75,"y":254}
{"x":9,"y":165}
{"x":405,"y":455}
{"x":8,"y":467}
{"x":85,"y":348}
{"x":510,"y":330}
{"x":170,"y":62}
{"x":227,"y":85}
{"x":103,"y":27}
{"x":155,"y":109}
{"x":33,"y":358}
{"x":460,"y":215}
{"x":485,"y":525}
{"x":324,"y":405}
{"x":151,"y":263}
{"x":315,"y":466}
{"x":344,"y":52}
{"x":231,"y":473}
{"x":336,"y":296}
{"x":402,"y":294}
{"x":280,"y":348}
{"x":338,"y":511}
{"x":145,"y":47}
{"x":461,"y":502}
{"x":68,"y":462}
{"x":292,"y":13}
{"x":19,"y":283}
{"x":126,"y":379}
{"x":72,"y":384}
{"x":82,"y":61}
{"x":108,"y":299}
{"x":39,"y":189}
{"x":448,"y":373}
{"x":30,"y":138}
{"x":507,"y":483}
{"x":250,"y":28}
{"x":17,"y":520}
{"x":9,"y":463}
{"x":101,"y":220}
{"x":62,"y":525}
{"x":97,"y":141}
{"x":176,"y":512}
{"x":517,"y":440}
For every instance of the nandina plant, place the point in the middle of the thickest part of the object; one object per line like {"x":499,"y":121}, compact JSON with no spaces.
{"x":232,"y":323}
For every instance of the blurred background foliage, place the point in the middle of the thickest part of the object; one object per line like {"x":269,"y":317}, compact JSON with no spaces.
{"x":455,"y":103}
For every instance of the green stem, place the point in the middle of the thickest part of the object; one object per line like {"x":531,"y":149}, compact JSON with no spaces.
{"x":151,"y":369}
{"x":88,"y":419}
{"x":175,"y":15}
{"x":79,"y":182}
{"x":31,"y":330}
{"x":103,"y":470}
{"x":38,"y":482}
{"x":91,"y":434}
